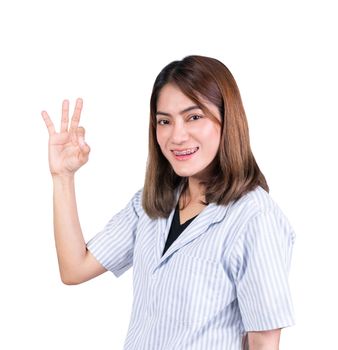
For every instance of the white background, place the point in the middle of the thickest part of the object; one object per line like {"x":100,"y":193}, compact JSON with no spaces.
{"x":283,"y":56}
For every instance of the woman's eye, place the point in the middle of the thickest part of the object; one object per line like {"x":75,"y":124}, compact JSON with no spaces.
{"x":192,"y":117}
{"x":162,"y":122}
{"x":196,"y":117}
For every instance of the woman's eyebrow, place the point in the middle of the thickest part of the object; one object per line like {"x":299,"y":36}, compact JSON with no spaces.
{"x":184,"y":110}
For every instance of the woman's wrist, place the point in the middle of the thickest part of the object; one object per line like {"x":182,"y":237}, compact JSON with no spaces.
{"x":63,"y":178}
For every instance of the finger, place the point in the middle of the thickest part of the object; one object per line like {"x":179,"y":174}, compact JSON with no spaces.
{"x":76,"y":115}
{"x":81,"y":131}
{"x":81,"y":134}
{"x":48,"y":122}
{"x":85,"y":149}
{"x":65,"y":118}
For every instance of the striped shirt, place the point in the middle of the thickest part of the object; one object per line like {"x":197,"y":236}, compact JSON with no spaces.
{"x":226,"y":274}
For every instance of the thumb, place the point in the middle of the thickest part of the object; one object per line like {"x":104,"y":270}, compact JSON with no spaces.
{"x":85,"y":148}
{"x":82,"y":143}
{"x":80,"y":133}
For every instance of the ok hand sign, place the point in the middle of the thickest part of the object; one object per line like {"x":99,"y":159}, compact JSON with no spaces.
{"x":67,"y":149}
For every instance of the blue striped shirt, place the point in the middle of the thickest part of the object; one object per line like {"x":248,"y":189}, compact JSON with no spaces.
{"x":225,"y":275}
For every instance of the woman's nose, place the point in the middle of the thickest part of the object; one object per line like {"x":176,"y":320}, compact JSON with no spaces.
{"x":179,"y":133}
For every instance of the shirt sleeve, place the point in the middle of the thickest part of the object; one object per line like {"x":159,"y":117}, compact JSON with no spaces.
{"x":113,"y":247}
{"x":260,"y":265}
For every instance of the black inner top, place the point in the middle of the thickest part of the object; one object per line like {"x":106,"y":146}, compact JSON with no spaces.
{"x":176,"y":228}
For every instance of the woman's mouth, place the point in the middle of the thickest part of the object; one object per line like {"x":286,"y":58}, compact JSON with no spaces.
{"x":185,"y":154}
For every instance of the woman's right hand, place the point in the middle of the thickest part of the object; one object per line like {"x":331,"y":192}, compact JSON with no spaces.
{"x":67,"y":150}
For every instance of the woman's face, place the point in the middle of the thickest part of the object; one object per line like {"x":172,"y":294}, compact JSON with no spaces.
{"x":183,"y":128}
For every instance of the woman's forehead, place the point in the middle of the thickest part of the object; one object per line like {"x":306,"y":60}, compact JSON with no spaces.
{"x":171,"y":98}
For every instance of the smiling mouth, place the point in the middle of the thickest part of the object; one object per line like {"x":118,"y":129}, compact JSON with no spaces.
{"x":186,"y":152}
{"x":185,"y":155}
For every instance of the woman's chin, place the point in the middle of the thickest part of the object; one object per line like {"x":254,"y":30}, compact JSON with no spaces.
{"x":185,"y":172}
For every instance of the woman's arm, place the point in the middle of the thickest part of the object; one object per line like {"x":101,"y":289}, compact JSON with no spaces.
{"x":76,"y":263}
{"x":264,"y":340}
{"x":67,"y":153}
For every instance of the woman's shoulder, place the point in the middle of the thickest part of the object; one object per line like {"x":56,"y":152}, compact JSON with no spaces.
{"x":255,"y":202}
{"x":136,"y":201}
{"x":259,"y":199}
{"x":258,"y":210}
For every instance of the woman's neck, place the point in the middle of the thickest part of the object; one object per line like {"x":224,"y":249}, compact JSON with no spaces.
{"x":195,"y":192}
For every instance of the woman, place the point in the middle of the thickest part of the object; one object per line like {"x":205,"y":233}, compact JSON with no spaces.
{"x":210,"y":249}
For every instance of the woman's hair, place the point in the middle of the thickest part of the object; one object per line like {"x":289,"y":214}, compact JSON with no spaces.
{"x":234,"y":171}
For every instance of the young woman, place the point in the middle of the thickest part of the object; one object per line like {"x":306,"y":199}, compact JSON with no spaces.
{"x":210,"y":248}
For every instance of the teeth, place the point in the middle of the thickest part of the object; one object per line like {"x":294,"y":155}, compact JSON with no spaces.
{"x":187,"y":151}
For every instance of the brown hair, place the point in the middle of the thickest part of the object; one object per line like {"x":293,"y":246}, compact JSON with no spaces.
{"x":234,"y":171}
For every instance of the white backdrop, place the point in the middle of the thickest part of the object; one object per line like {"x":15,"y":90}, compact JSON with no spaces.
{"x":283,"y":56}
